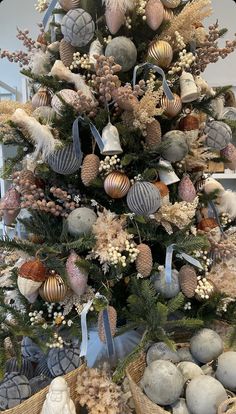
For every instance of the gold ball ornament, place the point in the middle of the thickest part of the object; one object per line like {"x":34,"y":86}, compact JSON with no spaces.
{"x":53,"y":289}
{"x":171,"y":4}
{"x":167,"y":15}
{"x":162,"y":53}
{"x":171,"y":107}
{"x":117,"y":184}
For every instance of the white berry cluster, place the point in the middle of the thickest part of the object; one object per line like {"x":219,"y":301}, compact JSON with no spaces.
{"x":36,"y":317}
{"x":57,"y":342}
{"x":107,"y":39}
{"x":223,"y":305}
{"x":185,"y":61}
{"x":203,"y":258}
{"x":204,"y":288}
{"x":128,"y":22}
{"x":80,"y":61}
{"x":225,"y":219}
{"x":141,"y":9}
{"x":50,"y":307}
{"x":151,"y":81}
{"x":180,"y":41}
{"x":116,"y":256}
{"x":109,"y":164}
{"x":41,"y":5}
{"x":187,"y":306}
{"x":136,"y":178}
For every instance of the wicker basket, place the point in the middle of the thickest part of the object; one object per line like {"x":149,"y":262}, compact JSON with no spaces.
{"x":34,"y":404}
{"x":228,"y":407}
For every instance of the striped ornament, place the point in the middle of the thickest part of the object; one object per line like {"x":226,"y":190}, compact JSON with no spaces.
{"x":143,"y":198}
{"x":116,"y":184}
{"x":24,"y":368}
{"x":53,"y":289}
{"x":42,"y":369}
{"x":171,"y":107}
{"x":161,"y":52}
{"x":64,"y":161}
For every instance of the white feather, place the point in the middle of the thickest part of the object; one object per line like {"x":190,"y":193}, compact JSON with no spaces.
{"x":122,"y":5}
{"x":39,"y":62}
{"x":41,"y":136}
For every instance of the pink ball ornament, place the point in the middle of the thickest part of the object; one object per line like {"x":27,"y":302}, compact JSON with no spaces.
{"x":76,"y":277}
{"x":186,"y":189}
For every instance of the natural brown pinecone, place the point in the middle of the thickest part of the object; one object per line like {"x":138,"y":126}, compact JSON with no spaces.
{"x":188,"y":280}
{"x":153,"y":137}
{"x":144,"y":261}
{"x":66,"y":52}
{"x":89,"y":169}
{"x":112,"y":315}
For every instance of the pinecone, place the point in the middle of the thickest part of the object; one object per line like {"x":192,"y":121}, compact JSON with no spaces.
{"x":89,"y":169}
{"x":144,"y":260}
{"x":153,"y":137}
{"x":112,"y":319}
{"x":188,"y":280}
{"x":66,"y":52}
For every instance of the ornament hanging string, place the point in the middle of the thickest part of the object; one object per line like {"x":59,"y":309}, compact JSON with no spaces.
{"x":49,"y":11}
{"x":157,"y":69}
{"x":84,"y":328}
{"x":108,"y":335}
{"x":168,"y":262}
{"x":76,"y":135}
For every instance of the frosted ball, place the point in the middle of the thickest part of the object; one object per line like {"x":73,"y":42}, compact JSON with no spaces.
{"x":161,"y":351}
{"x":189,"y":370}
{"x":124,"y":52}
{"x":206,"y":345}
{"x":226,"y":370}
{"x":167,"y":290}
{"x":80,"y":221}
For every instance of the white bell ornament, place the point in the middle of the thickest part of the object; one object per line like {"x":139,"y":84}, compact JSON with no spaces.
{"x":111,"y":140}
{"x":188,"y":88}
{"x":166,"y":173}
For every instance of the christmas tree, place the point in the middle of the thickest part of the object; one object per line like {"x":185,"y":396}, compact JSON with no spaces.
{"x":123,"y":237}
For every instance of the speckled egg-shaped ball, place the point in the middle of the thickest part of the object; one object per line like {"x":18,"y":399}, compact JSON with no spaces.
{"x":124,"y":52}
{"x":204,"y":394}
{"x":78,"y":27}
{"x":189,"y":370}
{"x":143,"y":198}
{"x":206,"y":345}
{"x":80,"y":221}
{"x":226,"y":370}
{"x":162,"y":382}
{"x":167,"y":290}
{"x":161,"y":351}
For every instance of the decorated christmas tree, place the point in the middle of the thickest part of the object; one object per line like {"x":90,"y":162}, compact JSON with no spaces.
{"x":123,"y":238}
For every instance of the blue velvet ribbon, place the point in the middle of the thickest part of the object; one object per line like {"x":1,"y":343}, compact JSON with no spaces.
{"x":160,"y":71}
{"x":182,"y":255}
{"x":49,"y":11}
{"x":108,"y":335}
{"x":84,"y":328}
{"x":76,"y":135}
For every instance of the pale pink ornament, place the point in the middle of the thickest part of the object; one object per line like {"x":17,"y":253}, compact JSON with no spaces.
{"x":10,"y":206}
{"x":76,"y":277}
{"x":229,"y":153}
{"x":186,"y":189}
{"x":114,"y":19}
{"x":154,"y":12}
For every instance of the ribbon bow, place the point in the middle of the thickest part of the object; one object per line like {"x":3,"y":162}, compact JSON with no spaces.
{"x":76,"y":135}
{"x":182,"y":255}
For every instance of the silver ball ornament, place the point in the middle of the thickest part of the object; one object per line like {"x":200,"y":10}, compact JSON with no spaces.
{"x":80,"y":221}
{"x":124,"y":52}
{"x":206,"y":345}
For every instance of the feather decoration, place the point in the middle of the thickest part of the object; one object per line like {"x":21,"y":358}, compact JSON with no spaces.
{"x":40,"y":135}
{"x":122,"y":5}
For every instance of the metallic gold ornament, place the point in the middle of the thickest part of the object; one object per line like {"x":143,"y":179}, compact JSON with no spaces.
{"x":171,"y":107}
{"x":161,"y":52}
{"x":116,"y":184}
{"x":167,"y":15}
{"x":53,"y":289}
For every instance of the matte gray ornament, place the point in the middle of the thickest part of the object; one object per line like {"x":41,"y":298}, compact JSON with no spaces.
{"x":174,"y":149}
{"x":30,"y":350}
{"x":180,"y":407}
{"x":199,"y":345}
{"x":78,"y":27}
{"x":62,"y":361}
{"x":124,"y":52}
{"x":185,"y":355}
{"x":38,"y":383}
{"x":161,"y":351}
{"x":189,"y":370}
{"x":204,"y":394}
{"x":162,"y":382}
{"x":64,"y":161}
{"x":80,"y":221}
{"x":167,"y":290}
{"x":14,"y":389}
{"x":219,"y":134}
{"x":42,"y":369}
{"x":143,"y":198}
{"x":25,"y":368}
{"x":226,"y":370}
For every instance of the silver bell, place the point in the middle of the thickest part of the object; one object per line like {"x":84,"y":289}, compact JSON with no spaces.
{"x":166,"y":173}
{"x":111,"y":140}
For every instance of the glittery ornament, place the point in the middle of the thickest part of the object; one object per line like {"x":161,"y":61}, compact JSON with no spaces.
{"x":171,"y":4}
{"x":76,"y":277}
{"x":154,"y":13}
{"x":144,"y":260}
{"x":90,"y":169}
{"x":33,"y":270}
{"x":153,"y":134}
{"x":171,"y":107}
{"x":188,"y":280}
{"x":124,"y":52}
{"x":112,"y":315}
{"x":229,"y":153}
{"x":186,"y":189}
{"x":161,"y":52}
{"x":53,"y":289}
{"x":219,"y":134}
{"x":78,"y":27}
{"x":116,"y":184}
{"x":66,"y":52}
{"x":10,"y":206}
{"x":69,"y":4}
{"x":115,"y":18}
{"x":143,"y":198}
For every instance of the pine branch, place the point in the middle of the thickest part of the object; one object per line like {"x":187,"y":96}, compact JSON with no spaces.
{"x":9,"y":244}
{"x":48,"y":81}
{"x":176,"y":303}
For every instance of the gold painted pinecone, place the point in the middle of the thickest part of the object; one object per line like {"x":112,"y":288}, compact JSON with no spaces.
{"x":144,"y":261}
{"x":153,"y":137}
{"x":66,"y":52}
{"x":89,"y":169}
{"x":188,"y":280}
{"x":112,"y":319}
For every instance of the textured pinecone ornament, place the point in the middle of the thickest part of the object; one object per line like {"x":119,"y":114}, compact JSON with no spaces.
{"x":66,"y":52}
{"x":112,"y":315}
{"x":188,"y":280}
{"x":153,"y":137}
{"x":89,"y":169}
{"x":186,"y":190}
{"x":144,"y":260}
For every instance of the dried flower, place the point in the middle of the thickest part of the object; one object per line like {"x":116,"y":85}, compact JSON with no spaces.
{"x":74,"y":301}
{"x":198,"y":154}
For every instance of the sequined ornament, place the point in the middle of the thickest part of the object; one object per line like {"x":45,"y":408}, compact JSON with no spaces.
{"x":229,"y":153}
{"x":116,"y":184}
{"x":154,"y":13}
{"x":186,"y":189}
{"x":171,"y":107}
{"x":153,"y":134}
{"x":78,"y":27}
{"x":171,"y":4}
{"x":188,"y":281}
{"x":65,"y":95}
{"x":144,"y":262}
{"x":69,"y":4}
{"x":80,"y":221}
{"x":53,"y":289}
{"x":219,"y":134}
{"x":64,"y":161}
{"x":124,"y":52}
{"x":162,"y":53}
{"x":66,"y":51}
{"x":90,"y":169}
{"x":115,"y":18}
{"x":143,"y":198}
{"x":10,"y":206}
{"x":112,"y":315}
{"x":164,"y":191}
{"x":77,"y":277}
{"x":41,"y":98}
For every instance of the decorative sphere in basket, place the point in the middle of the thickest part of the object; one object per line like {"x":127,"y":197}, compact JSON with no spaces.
{"x":62,"y":361}
{"x":14,"y":389}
